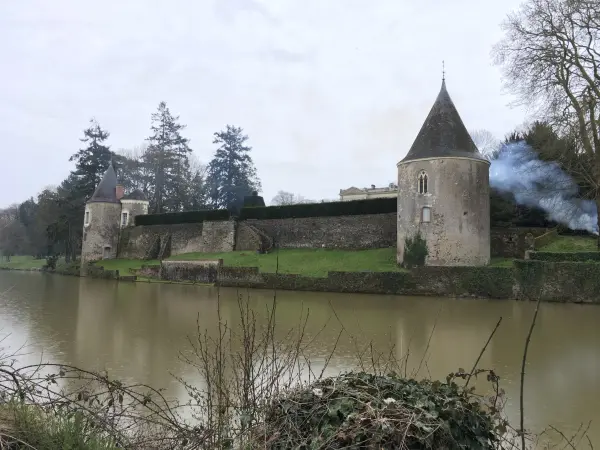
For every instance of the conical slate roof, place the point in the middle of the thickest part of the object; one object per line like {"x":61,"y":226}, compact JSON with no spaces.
{"x":443,"y":134}
{"x":135,"y":195}
{"x":106,"y":191}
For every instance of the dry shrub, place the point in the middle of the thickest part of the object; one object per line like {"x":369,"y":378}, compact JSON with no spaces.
{"x":362,"y":411}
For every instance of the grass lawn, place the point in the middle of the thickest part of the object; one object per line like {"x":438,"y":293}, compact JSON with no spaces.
{"x":572,"y":244}
{"x":501,"y":262}
{"x":308,"y":262}
{"x":22,"y":263}
{"x":123,"y":265}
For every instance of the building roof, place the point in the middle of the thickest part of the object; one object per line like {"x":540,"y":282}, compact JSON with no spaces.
{"x":106,"y":192}
{"x":135,"y":195}
{"x":443,"y":133}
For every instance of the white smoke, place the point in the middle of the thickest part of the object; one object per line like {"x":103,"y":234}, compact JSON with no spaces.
{"x":542,"y":184}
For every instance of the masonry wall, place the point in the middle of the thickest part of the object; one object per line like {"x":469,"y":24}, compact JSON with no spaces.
{"x":557,"y":281}
{"x":134,"y":208}
{"x":204,"y":237}
{"x":344,"y":232}
{"x":528,"y":280}
{"x":199,"y":271}
{"x":458,"y":196}
{"x":101,"y":232}
{"x":511,"y":242}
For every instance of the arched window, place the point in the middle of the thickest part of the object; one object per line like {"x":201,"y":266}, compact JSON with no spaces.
{"x":422,"y":182}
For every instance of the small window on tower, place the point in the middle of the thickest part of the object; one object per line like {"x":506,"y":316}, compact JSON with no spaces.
{"x":87,"y":217}
{"x":124,"y":219}
{"x":422,"y":182}
{"x":426,"y":214}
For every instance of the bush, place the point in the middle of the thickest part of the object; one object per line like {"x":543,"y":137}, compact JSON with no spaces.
{"x":51,"y":262}
{"x":415,"y":251}
{"x":29,"y":426}
{"x":352,"y":208}
{"x":360,"y":410}
{"x":253,"y":200}
{"x":182,"y":217}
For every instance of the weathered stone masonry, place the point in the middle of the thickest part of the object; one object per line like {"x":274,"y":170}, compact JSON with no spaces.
{"x":341,"y":232}
{"x":207,"y":237}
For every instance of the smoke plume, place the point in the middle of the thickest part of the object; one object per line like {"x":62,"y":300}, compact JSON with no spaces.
{"x":536,"y":183}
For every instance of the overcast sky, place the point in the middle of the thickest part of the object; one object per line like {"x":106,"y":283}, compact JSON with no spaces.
{"x":331,"y":92}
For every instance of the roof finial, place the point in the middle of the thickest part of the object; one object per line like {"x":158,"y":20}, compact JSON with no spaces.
{"x":443,"y":71}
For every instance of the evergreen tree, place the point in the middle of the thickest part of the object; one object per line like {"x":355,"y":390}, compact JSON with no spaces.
{"x":167,"y":161}
{"x":91,"y":162}
{"x":197,"y":192}
{"x":231,"y":173}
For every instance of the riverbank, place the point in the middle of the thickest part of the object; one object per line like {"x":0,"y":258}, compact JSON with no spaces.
{"x":560,"y":272}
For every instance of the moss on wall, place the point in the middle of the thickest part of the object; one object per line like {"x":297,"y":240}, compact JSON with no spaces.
{"x":557,"y":281}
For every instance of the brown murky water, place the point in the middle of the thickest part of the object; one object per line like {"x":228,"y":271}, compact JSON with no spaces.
{"x":136,"y":331}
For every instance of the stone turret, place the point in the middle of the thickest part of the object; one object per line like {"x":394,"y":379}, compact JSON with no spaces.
{"x":101,"y":221}
{"x":443,"y":191}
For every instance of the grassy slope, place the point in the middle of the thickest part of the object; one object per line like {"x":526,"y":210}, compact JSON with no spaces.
{"x":22,"y":262}
{"x":309,"y":262}
{"x":572,"y":244}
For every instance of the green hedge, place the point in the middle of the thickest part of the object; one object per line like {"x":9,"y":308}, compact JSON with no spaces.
{"x":565,"y":256}
{"x":351,"y":208}
{"x":182,"y":217}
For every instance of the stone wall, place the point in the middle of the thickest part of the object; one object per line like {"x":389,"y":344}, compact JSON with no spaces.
{"x":101,"y":234}
{"x":197,"y":271}
{"x":511,"y":242}
{"x":342,"y":232}
{"x":218,"y":236}
{"x":528,"y":280}
{"x":557,"y":281}
{"x":494,"y":282}
{"x":458,"y":200}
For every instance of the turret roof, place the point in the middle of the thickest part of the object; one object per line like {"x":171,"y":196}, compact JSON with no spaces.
{"x":106,"y":192}
{"x":135,"y":195}
{"x":443,"y":133}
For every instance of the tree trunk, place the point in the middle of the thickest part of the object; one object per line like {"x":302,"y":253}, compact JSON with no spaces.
{"x":598,"y":221}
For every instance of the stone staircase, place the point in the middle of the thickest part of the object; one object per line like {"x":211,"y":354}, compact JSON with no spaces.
{"x":266,"y":242}
{"x":153,"y":249}
{"x":165,"y":247}
{"x":160,"y":248}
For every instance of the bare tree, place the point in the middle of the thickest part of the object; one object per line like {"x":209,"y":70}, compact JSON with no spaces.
{"x":287,"y":198}
{"x":550,"y":56}
{"x":486,"y":142}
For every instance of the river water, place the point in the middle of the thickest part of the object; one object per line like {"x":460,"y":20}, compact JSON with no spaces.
{"x":137,"y":330}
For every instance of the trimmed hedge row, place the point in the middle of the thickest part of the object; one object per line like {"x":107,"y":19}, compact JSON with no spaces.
{"x":182,"y":217}
{"x":351,"y":208}
{"x":565,"y":256}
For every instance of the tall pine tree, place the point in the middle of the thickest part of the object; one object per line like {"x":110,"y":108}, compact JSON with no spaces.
{"x":92,"y":161}
{"x":167,"y":161}
{"x":231,"y":173}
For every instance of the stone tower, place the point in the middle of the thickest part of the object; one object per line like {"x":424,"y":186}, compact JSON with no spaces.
{"x":106,"y":212}
{"x":443,"y":191}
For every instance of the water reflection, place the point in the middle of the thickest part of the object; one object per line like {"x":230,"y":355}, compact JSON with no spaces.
{"x":137,"y":330}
